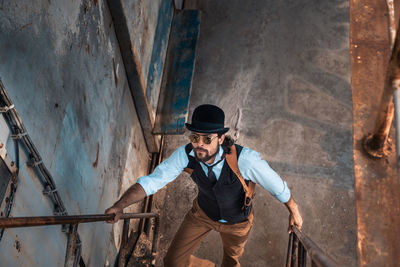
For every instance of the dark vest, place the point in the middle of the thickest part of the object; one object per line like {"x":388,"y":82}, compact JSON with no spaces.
{"x":225,"y":198}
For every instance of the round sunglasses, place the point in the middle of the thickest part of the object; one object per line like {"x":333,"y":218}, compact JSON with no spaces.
{"x":207,"y":139}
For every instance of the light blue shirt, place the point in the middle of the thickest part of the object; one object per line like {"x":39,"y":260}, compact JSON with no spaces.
{"x":251,"y":166}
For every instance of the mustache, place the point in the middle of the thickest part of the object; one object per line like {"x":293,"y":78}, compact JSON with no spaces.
{"x":199,"y":149}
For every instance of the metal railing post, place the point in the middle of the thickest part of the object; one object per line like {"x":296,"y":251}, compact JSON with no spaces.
{"x":396,"y":96}
{"x":124,"y":240}
{"x":376,"y":143}
{"x":72,"y":256}
{"x":295,"y":252}
{"x":155,"y":238}
{"x":300,"y":246}
{"x":71,"y":244}
{"x":156,"y":160}
{"x":302,"y":256}
{"x":289,"y":252}
{"x":316,"y":254}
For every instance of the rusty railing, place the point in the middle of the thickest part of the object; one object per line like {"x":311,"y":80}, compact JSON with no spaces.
{"x":376,"y":144}
{"x":298,"y":248}
{"x":73,"y":221}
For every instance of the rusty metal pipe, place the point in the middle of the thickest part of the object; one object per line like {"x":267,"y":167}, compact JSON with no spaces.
{"x":376,"y":143}
{"x":391,"y":22}
{"x":295,"y":251}
{"x":155,"y":239}
{"x":143,"y":222}
{"x":71,"y":245}
{"x":318,"y":257}
{"x":396,"y":96}
{"x":124,"y":241}
{"x":72,"y":219}
{"x":302,"y":256}
{"x":125,"y":232}
{"x":157,"y":160}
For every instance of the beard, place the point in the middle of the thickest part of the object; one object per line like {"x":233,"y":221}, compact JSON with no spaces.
{"x":207,"y":156}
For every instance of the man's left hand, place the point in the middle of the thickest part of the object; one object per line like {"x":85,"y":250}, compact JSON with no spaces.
{"x":296,"y":220}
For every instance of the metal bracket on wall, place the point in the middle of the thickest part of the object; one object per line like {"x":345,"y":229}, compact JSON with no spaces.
{"x":19,"y":133}
{"x":8,"y":181}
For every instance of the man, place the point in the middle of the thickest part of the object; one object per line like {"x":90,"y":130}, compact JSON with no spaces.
{"x":222,"y":203}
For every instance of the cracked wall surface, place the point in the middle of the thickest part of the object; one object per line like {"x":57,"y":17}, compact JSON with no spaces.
{"x":61,"y":65}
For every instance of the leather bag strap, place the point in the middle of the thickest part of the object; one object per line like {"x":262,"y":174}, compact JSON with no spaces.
{"x":231,"y":159}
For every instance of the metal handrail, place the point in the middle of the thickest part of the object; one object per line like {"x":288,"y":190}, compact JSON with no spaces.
{"x":14,"y":222}
{"x":300,"y":245}
{"x":74,"y":220}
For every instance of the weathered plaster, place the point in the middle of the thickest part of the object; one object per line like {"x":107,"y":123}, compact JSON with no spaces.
{"x":61,"y":65}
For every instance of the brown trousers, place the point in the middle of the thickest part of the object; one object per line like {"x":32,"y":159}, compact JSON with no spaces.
{"x":195,"y":228}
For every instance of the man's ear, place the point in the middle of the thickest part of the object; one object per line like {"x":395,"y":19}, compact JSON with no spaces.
{"x":221,"y":139}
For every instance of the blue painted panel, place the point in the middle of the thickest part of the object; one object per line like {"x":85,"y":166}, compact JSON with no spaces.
{"x":173,"y":110}
{"x":159,"y":52}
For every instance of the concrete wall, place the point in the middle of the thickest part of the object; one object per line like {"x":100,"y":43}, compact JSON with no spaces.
{"x":61,"y":65}
{"x":281,"y":72}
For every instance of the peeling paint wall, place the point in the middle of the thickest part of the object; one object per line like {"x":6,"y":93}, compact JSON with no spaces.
{"x":149,"y":23}
{"x":173,"y":103}
{"x":158,"y":55}
{"x":61,"y":65}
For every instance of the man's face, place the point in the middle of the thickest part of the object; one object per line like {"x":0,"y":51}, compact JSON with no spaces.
{"x":206,"y":146}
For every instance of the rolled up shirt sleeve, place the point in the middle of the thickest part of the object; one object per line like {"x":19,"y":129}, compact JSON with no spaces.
{"x":254,"y":168}
{"x":165,"y":172}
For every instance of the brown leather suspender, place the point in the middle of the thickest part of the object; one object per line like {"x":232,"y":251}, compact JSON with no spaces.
{"x":188,"y":170}
{"x":231,"y":159}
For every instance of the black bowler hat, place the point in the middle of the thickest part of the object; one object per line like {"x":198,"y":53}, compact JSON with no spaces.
{"x":207,"y":119}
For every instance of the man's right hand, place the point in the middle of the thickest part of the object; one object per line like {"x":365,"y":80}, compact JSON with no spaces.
{"x":134,"y":194}
{"x":114,"y":210}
